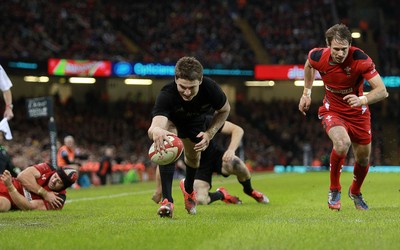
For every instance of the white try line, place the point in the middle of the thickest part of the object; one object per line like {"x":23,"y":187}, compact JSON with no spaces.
{"x":112,"y":196}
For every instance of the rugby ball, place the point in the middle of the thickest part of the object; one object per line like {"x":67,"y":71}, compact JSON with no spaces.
{"x":170,"y":154}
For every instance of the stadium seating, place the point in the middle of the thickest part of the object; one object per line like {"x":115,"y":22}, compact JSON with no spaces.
{"x":206,"y":29}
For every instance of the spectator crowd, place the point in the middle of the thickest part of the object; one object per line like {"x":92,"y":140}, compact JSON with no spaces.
{"x":164,"y":31}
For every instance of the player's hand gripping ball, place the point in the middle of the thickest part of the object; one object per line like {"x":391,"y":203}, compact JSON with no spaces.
{"x":170,"y":154}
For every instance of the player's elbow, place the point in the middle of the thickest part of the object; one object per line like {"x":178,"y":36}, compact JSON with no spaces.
{"x":226,"y":109}
{"x":385,"y":94}
{"x":240,"y":131}
{"x":21,"y":177}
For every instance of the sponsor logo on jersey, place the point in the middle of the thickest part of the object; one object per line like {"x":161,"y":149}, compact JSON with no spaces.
{"x":339,"y":91}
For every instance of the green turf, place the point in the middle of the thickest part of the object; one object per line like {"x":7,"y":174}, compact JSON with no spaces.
{"x":124,"y":217}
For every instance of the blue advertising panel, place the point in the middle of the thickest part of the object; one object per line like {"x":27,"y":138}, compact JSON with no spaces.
{"x":124,"y":69}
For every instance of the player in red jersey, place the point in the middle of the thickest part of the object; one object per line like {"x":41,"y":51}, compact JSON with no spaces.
{"x":38,"y":187}
{"x":344,"y":114}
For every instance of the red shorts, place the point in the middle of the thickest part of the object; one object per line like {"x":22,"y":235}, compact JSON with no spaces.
{"x":4,"y":191}
{"x":358,"y":127}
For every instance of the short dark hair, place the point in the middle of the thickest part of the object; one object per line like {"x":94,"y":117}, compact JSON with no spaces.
{"x":189,"y":68}
{"x":338,"y":32}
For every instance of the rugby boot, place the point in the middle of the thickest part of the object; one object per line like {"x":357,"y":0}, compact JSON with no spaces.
{"x":334,"y":200}
{"x":190,"y":199}
{"x":166,"y":209}
{"x":229,"y":199}
{"x":259,"y":197}
{"x":359,"y":201}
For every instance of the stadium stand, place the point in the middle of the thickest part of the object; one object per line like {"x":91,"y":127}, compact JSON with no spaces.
{"x":41,"y":29}
{"x":209,"y":30}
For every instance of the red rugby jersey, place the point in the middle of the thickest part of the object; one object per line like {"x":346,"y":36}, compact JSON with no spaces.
{"x":343,"y":79}
{"x":45,"y":173}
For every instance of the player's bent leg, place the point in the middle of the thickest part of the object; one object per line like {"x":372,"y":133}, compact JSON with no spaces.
{"x":201,"y":188}
{"x":5,"y":204}
{"x":361,"y":166}
{"x":236,"y":167}
{"x":340,"y":139}
{"x":192,"y":162}
{"x":192,"y":157}
{"x":341,"y":144}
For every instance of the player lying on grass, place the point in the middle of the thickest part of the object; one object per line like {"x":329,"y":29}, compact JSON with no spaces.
{"x":216,"y":160}
{"x":38,"y":187}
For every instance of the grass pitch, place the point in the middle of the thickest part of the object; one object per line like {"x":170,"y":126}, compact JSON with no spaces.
{"x":124,"y":217}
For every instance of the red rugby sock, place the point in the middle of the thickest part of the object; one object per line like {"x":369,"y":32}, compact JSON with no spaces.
{"x":336,"y":164}
{"x":359,"y":174}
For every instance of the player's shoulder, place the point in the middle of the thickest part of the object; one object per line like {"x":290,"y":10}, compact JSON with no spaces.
{"x":170,"y":86}
{"x":208,"y":80}
{"x":358,"y":54}
{"x":208,"y":85}
{"x":43,"y":167}
{"x":169,"y":90}
{"x":316,"y":54}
